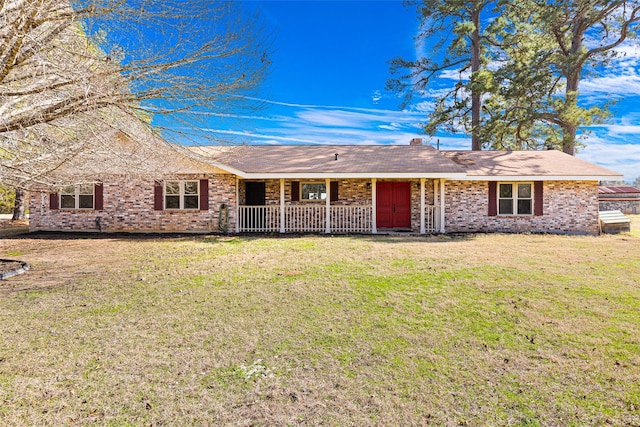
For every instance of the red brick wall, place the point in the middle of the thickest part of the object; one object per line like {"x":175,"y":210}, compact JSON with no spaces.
{"x":570,"y":207}
{"x":128,"y":207}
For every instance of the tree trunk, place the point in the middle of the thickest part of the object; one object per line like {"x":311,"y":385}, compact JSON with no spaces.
{"x":570,"y":123}
{"x":476,"y":96}
{"x":19,"y":205}
{"x":568,"y":116}
{"x":569,"y":138}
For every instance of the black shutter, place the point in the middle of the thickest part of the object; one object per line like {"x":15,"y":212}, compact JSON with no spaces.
{"x":54,"y":201}
{"x":157,"y":196}
{"x":334,"y":191}
{"x":98,"y":193}
{"x":538,"y":198}
{"x":295,"y":191}
{"x":204,"y":194}
{"x":493,"y":199}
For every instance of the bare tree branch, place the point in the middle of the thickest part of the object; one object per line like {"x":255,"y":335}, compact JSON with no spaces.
{"x":73,"y":71}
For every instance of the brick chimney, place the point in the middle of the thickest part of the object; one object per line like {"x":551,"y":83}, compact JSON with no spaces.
{"x":416,"y":141}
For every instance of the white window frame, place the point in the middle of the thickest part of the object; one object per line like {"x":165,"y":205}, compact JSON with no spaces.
{"x":318,"y":200}
{"x":515,"y":198}
{"x":76,"y":191}
{"x":182,"y":194}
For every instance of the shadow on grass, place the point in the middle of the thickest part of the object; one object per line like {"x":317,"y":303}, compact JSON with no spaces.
{"x":215,"y":238}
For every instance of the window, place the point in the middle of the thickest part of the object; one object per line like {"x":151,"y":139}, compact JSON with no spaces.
{"x":181,"y":195}
{"x":515,"y":199}
{"x":77,"y":197}
{"x":313,"y":191}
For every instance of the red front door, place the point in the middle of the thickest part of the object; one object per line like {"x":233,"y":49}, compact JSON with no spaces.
{"x":393,"y":205}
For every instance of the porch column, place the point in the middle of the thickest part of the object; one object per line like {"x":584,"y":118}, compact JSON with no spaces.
{"x":237,"y":204}
{"x":442,"y":205}
{"x":374,"y":220}
{"x":422,"y":206}
{"x":436,"y":202}
{"x":282,"y":214}
{"x":328,"y":205}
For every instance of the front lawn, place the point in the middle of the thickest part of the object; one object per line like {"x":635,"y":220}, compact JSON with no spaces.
{"x":521,"y":330}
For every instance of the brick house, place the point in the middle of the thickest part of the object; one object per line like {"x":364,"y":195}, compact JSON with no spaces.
{"x":624,"y":198}
{"x":335,"y":189}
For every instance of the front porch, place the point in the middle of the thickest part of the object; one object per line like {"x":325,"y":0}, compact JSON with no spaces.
{"x":346,"y":206}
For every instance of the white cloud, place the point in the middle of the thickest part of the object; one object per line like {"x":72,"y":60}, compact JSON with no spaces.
{"x":455,"y":75}
{"x":607,"y":149}
{"x":390,"y":126}
{"x":611,"y":146}
{"x":621,"y":85}
{"x":318,"y":124}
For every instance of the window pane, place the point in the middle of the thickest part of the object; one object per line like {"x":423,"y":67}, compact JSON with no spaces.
{"x":191,"y":187}
{"x":68,"y":201}
{"x":505,"y":207}
{"x":314,"y":192}
{"x":524,"y":191}
{"x":524,"y":207}
{"x":172,"y":187}
{"x":86,"y":202}
{"x":86,"y":189}
{"x":506,"y":190}
{"x":172,"y":202}
{"x":69,"y":190}
{"x":191,"y":202}
{"x":308,"y":192}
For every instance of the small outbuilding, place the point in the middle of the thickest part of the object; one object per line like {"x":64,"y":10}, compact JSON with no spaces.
{"x":624,"y":198}
{"x":612,"y":222}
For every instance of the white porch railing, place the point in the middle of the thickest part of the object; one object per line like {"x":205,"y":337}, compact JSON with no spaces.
{"x":312,"y":218}
{"x":305,"y":218}
{"x":351,"y":219}
{"x":258,"y":219}
{"x":432,"y":219}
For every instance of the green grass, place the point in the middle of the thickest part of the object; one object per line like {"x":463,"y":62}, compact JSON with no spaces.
{"x":521,"y":330}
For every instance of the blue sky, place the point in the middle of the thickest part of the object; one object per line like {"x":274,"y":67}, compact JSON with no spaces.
{"x":330,"y":65}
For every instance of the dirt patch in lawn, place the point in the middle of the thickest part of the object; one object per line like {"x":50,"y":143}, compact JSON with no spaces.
{"x":62,"y":259}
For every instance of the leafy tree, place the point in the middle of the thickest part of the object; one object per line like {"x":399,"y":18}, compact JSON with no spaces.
{"x":547,"y":47}
{"x":526,"y":71}
{"x":457,"y":26}
{"x":66,"y":79}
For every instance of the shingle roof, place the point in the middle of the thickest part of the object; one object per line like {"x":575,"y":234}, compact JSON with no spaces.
{"x":522,"y":164}
{"x":320,"y":159}
{"x":400,"y":160}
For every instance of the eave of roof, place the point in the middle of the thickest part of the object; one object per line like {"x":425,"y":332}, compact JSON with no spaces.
{"x":352,"y":161}
{"x":618,"y":189}
{"x":550,"y":165}
{"x":398,"y":161}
